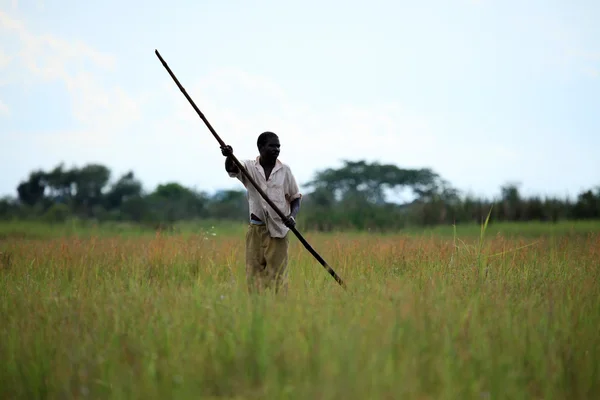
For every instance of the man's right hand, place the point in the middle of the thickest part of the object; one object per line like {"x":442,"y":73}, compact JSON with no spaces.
{"x":226,"y":151}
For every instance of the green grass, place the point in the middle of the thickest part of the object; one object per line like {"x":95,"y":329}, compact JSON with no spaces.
{"x":81,"y":228}
{"x":114,"y":314}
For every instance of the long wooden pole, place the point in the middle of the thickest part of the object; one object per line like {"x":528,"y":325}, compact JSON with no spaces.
{"x":241,"y":167}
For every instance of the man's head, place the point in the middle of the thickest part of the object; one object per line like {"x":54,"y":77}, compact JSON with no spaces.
{"x":268,"y":146}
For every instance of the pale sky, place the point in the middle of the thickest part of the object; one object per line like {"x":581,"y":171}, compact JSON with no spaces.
{"x":483,"y":92}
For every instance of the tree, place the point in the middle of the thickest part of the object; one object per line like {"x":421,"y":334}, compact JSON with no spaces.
{"x":436,"y":202}
{"x":228,"y":204}
{"x":354,"y":195}
{"x":90,"y":182}
{"x":61,"y":184}
{"x":359,"y":179}
{"x":171,"y":202}
{"x":587,"y":205}
{"x":31,"y":192}
{"x":511,"y":201}
{"x":124,"y":189}
{"x":9,"y":207}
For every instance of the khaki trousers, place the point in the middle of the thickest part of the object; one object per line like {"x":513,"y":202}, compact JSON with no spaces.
{"x":266,"y":260}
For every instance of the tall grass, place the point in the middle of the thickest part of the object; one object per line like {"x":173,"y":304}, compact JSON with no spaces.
{"x":424,"y":317}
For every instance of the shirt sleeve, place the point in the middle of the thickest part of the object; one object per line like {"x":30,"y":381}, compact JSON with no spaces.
{"x":292,"y":191}
{"x":239,"y":174}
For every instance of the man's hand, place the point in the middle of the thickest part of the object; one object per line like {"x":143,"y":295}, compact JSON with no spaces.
{"x":227,"y":151}
{"x":289,"y":221}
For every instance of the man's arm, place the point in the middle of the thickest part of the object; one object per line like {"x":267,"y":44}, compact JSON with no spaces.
{"x":295,"y":207}
{"x":230,"y":166}
{"x":296,"y":197}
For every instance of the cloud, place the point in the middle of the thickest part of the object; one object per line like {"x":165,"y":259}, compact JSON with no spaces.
{"x":4,"y":59}
{"x":101,"y":112}
{"x":243,"y":106}
{"x":4,"y":110}
{"x":48,"y":56}
{"x":571,"y":46}
{"x":592,"y":72}
{"x":42,"y":58}
{"x":591,"y":62}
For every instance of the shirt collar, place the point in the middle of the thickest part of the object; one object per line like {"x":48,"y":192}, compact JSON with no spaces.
{"x":278,"y":165}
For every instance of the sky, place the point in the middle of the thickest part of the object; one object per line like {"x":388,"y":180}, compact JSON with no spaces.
{"x":483,"y":92}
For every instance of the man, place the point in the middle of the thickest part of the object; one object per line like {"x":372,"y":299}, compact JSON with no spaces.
{"x":267,"y":236}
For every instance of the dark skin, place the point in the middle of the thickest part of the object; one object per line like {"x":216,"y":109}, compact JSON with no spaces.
{"x":268,"y":157}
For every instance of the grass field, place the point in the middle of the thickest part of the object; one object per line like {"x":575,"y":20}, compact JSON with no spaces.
{"x":121,"y":313}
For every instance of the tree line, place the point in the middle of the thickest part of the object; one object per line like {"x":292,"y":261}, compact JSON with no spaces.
{"x":353,"y":196}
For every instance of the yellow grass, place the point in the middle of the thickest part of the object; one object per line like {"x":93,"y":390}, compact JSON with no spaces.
{"x":423,"y":318}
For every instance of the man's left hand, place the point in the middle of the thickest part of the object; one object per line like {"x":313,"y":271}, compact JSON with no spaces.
{"x":290,"y":222}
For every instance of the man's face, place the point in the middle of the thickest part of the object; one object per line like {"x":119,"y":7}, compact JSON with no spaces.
{"x":270,"y":150}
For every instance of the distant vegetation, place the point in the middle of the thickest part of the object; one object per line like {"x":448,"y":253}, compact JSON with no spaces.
{"x":354,"y":196}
